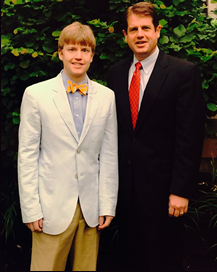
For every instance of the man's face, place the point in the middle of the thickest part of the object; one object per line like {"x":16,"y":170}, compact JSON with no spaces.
{"x":141,"y":35}
{"x":76,"y":60}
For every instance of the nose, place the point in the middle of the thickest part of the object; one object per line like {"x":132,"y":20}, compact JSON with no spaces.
{"x":140,"y":33}
{"x":78,"y":54}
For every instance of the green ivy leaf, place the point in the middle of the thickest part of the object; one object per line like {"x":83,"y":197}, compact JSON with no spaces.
{"x":163,"y":22}
{"x":206,"y":58}
{"x":56,"y":33}
{"x":193,"y":26}
{"x":187,"y":38}
{"x":214,"y":23}
{"x":29,"y":43}
{"x":76,"y":17}
{"x":4,"y":41}
{"x":7,"y":2}
{"x":24,"y":76}
{"x":175,"y":47}
{"x":211,"y":106}
{"x":13,"y":79}
{"x":164,"y":39}
{"x":24,"y":64}
{"x":48,"y":47}
{"x":163,"y":31}
{"x":193,"y":52}
{"x":112,"y":7}
{"x":174,"y":39}
{"x":103,"y":56}
{"x":5,"y":91}
{"x":102,"y":35}
{"x":30,"y":51}
{"x":9,"y":65}
{"x":205,"y":84}
{"x":176,"y":2}
{"x":179,"y":30}
{"x":160,"y":3}
{"x":16,"y":120}
{"x":18,"y":2}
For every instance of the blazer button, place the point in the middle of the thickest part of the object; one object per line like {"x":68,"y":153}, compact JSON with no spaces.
{"x":76,"y":176}
{"x":78,"y":151}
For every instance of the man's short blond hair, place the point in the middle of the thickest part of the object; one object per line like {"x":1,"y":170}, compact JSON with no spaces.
{"x":77,"y":33}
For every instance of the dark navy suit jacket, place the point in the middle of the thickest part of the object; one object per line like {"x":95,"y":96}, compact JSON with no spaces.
{"x":162,"y":155}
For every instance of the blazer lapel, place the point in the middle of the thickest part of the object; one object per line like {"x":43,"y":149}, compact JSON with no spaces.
{"x":62,"y":104}
{"x":92,"y":106}
{"x":153,"y":87}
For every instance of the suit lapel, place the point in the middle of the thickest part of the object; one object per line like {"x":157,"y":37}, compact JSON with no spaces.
{"x":62,"y":104}
{"x":92,"y":106}
{"x":153,"y":87}
{"x":123,"y":95}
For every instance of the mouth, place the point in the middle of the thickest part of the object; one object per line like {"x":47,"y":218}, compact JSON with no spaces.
{"x":77,"y":64}
{"x":141,"y":42}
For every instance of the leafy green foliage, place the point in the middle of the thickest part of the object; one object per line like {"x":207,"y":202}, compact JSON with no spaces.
{"x":189,"y":34}
{"x":30,"y":30}
{"x":9,"y":202}
{"x":203,"y":210}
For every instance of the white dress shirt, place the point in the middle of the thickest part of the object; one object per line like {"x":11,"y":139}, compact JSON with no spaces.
{"x":77,"y":104}
{"x":147,"y":68}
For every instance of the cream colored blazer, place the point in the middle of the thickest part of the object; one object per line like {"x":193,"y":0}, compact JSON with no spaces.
{"x":55,"y":167}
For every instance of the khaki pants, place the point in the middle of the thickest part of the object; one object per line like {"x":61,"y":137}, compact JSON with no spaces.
{"x":79,"y":241}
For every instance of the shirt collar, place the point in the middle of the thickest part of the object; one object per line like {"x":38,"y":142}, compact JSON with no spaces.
{"x":149,"y":62}
{"x":65,"y":80}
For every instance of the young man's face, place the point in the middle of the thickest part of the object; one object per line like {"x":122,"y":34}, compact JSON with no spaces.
{"x":76,"y":60}
{"x":141,"y":35}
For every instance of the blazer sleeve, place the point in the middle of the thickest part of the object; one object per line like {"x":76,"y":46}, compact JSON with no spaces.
{"x":28,"y":157}
{"x":108,"y":174}
{"x":190,"y":126}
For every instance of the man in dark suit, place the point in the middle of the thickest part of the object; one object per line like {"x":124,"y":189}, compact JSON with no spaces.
{"x":161,"y":116}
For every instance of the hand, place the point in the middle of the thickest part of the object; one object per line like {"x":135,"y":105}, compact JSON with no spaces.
{"x":104,"y":221}
{"x":177,"y":205}
{"x":36,"y":226}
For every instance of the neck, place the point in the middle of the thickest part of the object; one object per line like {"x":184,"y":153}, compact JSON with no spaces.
{"x":76,"y":79}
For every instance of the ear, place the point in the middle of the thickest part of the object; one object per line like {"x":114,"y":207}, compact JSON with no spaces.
{"x":158,"y":29}
{"x":125,"y":35}
{"x":92,"y":56}
{"x":60,"y":53}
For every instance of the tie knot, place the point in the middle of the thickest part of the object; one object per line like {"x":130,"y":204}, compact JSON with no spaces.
{"x":72,"y":87}
{"x":138,"y":65}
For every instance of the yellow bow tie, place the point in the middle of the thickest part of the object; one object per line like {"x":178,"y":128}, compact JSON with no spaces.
{"x":72,"y":87}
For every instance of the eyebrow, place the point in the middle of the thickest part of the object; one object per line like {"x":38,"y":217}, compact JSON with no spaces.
{"x":75,"y":45}
{"x":130,"y":28}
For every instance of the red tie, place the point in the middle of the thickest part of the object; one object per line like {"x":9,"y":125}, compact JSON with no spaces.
{"x":134,"y":93}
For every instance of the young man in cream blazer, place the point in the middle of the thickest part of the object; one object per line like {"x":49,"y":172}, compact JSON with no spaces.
{"x":67,"y":159}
